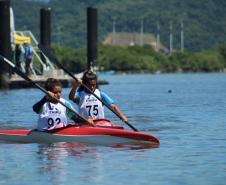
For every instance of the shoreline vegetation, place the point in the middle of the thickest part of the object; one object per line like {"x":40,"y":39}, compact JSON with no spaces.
{"x":144,"y":59}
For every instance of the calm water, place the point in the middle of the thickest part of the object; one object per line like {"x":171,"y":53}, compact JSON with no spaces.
{"x":190,"y":123}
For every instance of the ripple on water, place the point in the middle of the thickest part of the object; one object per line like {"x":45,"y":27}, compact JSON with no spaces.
{"x":189,"y":121}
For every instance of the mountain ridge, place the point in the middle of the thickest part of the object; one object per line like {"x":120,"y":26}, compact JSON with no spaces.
{"x":204,"y":20}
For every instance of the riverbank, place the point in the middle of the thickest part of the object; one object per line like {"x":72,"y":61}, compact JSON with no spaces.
{"x":142,"y":59}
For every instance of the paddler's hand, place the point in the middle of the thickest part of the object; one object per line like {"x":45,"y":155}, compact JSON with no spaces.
{"x":124,"y":119}
{"x":51,"y":96}
{"x":91,"y":121}
{"x":77,"y":84}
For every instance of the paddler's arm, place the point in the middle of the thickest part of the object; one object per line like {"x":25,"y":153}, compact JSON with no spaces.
{"x":118,"y":111}
{"x":110,"y":102}
{"x":73,"y":95}
{"x":38,"y":106}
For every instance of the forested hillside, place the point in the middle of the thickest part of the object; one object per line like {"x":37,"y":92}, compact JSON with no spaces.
{"x":204,"y":20}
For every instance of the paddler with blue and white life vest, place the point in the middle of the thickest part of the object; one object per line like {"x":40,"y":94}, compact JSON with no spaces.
{"x":88,"y":105}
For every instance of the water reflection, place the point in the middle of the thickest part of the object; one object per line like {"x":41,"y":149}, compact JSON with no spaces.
{"x":85,"y":162}
{"x":54,"y":157}
{"x":61,"y":150}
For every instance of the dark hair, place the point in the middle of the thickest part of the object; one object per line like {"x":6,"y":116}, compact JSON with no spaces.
{"x":87,"y":76}
{"x":51,"y":83}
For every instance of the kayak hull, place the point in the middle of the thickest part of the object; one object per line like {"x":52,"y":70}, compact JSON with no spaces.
{"x":81,"y":134}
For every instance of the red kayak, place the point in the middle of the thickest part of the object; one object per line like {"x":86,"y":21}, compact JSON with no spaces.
{"x":105,"y":133}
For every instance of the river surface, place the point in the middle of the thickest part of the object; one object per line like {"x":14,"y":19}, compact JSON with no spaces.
{"x":186,"y":112}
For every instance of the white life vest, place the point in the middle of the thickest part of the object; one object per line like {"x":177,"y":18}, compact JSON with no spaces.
{"x":52,"y":116}
{"x":90,"y":106}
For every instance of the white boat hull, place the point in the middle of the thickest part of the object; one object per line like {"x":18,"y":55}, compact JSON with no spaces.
{"x":42,"y":137}
{"x":80,"y":134}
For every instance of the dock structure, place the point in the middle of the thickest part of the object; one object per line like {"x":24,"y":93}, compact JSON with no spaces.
{"x":16,"y":82}
{"x":14,"y":43}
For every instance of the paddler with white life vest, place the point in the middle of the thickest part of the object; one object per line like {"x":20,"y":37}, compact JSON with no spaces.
{"x":52,"y":114}
{"x":88,"y":105}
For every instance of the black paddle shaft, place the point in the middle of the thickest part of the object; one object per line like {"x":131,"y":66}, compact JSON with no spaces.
{"x":52,"y":58}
